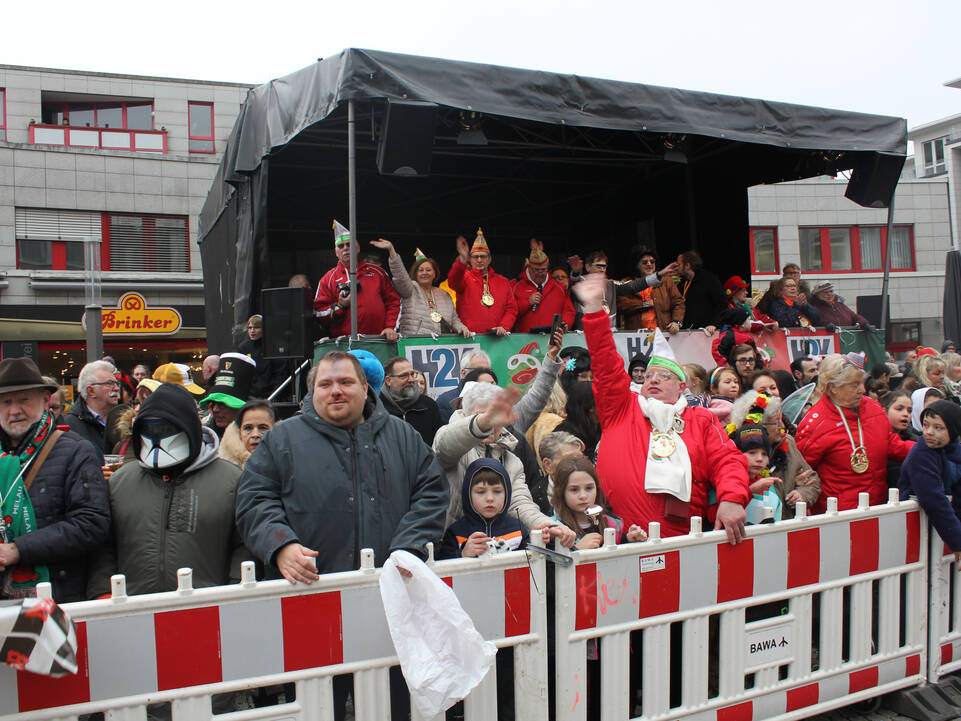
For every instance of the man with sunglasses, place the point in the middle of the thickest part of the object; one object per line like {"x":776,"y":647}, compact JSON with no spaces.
{"x":654,"y":307}
{"x":98,"y":392}
{"x":378,"y":304}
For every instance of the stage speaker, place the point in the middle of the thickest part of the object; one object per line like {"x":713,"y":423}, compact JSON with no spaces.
{"x":870,"y":307}
{"x":287,"y":317}
{"x":407,"y":140}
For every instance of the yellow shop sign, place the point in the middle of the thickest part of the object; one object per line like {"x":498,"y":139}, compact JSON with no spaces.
{"x":133,"y":317}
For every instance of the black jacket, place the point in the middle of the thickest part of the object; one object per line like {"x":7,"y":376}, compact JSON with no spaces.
{"x":269,"y":374}
{"x":337,"y":491}
{"x":72,"y":508}
{"x":423,"y":415}
{"x":84,"y":424}
{"x":704,"y":299}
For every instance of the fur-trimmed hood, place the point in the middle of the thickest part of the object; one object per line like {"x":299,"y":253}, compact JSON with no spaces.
{"x":232,"y":448}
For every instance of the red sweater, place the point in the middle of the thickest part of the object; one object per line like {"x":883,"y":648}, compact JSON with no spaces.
{"x":824,"y":443}
{"x":626,"y":432}
{"x":554,"y":299}
{"x":469,"y":286}
{"x":378,"y":304}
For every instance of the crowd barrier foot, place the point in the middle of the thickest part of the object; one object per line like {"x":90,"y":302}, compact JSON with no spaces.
{"x":936,"y":702}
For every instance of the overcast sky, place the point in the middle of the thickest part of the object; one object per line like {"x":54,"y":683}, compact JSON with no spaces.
{"x":884,"y":56}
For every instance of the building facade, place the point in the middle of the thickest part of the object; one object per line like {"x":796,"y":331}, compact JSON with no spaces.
{"x":119,"y":159}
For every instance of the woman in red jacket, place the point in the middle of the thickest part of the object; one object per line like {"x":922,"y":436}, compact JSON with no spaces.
{"x":847,"y":439}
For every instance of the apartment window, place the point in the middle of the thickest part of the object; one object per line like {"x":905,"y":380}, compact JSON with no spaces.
{"x":134,"y":115}
{"x":933,"y":156}
{"x":200,"y":118}
{"x":3,"y":114}
{"x":53,"y":240}
{"x":855,"y":249}
{"x":764,"y":256}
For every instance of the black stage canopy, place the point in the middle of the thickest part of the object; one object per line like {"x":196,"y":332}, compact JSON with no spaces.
{"x":579,"y":163}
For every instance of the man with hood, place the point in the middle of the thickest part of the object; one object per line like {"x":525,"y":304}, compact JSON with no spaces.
{"x":341,"y":476}
{"x":174,"y":507}
{"x":402,"y":397}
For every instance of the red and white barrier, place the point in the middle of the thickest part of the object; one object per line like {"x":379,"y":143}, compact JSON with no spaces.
{"x":188,"y":645}
{"x":766,"y":597}
{"x":944,"y":611}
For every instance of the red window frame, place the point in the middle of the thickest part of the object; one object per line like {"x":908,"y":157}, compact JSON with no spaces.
{"x":777,"y":255}
{"x":3,"y":114}
{"x":854,"y":234}
{"x":58,"y":254}
{"x":123,"y":107}
{"x":191,"y":104}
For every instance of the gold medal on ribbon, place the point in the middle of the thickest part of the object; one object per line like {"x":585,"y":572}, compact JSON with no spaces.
{"x":859,"y":460}
{"x":436,"y":317}
{"x":487,"y":299}
{"x":662,"y":445}
{"x":678,"y":425}
{"x":606,"y":307}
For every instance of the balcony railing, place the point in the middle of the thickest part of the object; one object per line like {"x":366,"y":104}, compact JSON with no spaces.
{"x":145,"y":141}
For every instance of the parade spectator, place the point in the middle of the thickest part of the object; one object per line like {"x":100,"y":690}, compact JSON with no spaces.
{"x":846,"y":437}
{"x":646,"y":467}
{"x":242,"y":437}
{"x":930,"y":371}
{"x":157,"y":501}
{"x":725,"y":388}
{"x":230,"y":390}
{"x":553,"y":449}
{"x":378,"y":304}
{"x":478,"y":430}
{"x":57,"y":402}
{"x":952,"y":376}
{"x":538,"y":296}
{"x":703,"y":295}
{"x":636,"y":368}
{"x":139,"y":372}
{"x":897,"y":406}
{"x":421,"y":380}
{"x":208,"y":369}
{"x":372,"y":367}
{"x":948,"y":346}
{"x":98,"y":391}
{"x":581,"y":417}
{"x":804,"y":370}
{"x":921,"y":398}
{"x":468,"y":362}
{"x":796,"y":480}
{"x":485,"y":301}
{"x":548,"y":420}
{"x":596,"y":264}
{"x":561,"y":276}
{"x":790,"y":308}
{"x":744,"y":359}
{"x":736,"y":291}
{"x":424,"y":308}
{"x":831,"y":307}
{"x":660,"y":306}
{"x":698,"y":385}
{"x":735,"y":331}
{"x":764,"y":381}
{"x":269,"y":373}
{"x":929,"y":472}
{"x":391,"y":496}
{"x":58,"y":512}
{"x":577,"y":367}
{"x":402,"y":397}
{"x":299,"y":280}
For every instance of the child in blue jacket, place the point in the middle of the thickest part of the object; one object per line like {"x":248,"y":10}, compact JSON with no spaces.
{"x":928,"y":470}
{"x":485,"y":525}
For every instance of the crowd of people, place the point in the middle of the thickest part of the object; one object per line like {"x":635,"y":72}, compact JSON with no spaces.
{"x":151,"y":471}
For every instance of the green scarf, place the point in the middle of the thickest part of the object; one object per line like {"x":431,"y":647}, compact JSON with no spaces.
{"x":16,"y":511}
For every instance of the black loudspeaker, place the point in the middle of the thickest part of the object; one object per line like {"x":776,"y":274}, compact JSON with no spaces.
{"x":407,"y":140}
{"x":287,"y":317}
{"x":870,"y":307}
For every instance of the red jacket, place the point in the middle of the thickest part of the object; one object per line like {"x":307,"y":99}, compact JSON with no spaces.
{"x":554,"y":299}
{"x":625,"y":433}
{"x":469,"y":286}
{"x":378,"y":304}
{"x":825,"y":445}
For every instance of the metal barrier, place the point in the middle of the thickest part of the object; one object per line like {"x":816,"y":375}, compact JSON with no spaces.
{"x":186,"y":646}
{"x":761,"y":630}
{"x":944,"y":611}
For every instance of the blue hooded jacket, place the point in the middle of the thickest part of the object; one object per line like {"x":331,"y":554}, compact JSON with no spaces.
{"x":500,"y":527}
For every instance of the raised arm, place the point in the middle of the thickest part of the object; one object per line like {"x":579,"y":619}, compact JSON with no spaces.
{"x":398,"y":273}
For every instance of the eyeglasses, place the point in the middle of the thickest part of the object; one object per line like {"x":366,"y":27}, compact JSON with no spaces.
{"x":114,"y":383}
{"x":745,"y":361}
{"x":404,"y":376}
{"x":599,"y":265}
{"x":480,"y":257}
{"x":662,"y":376}
{"x":647,"y":261}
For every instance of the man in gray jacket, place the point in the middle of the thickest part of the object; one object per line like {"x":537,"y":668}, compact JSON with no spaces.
{"x":342,"y":476}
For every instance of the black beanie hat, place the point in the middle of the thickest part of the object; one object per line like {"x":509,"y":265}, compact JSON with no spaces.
{"x":170,"y":402}
{"x":948,"y":412}
{"x":733,"y":316}
{"x":751,"y":436}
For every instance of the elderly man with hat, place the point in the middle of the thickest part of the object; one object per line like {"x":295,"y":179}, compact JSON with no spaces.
{"x":485,"y":300}
{"x":231,"y":389}
{"x":54,"y":508}
{"x":832,"y":308}
{"x":659,"y":460}
{"x":378,"y":304}
{"x":539,"y":297}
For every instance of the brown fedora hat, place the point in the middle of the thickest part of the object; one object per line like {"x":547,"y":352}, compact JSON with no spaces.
{"x":21,"y":374}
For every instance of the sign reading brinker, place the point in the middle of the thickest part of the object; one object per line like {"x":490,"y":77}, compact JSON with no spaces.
{"x":132,"y":316}
{"x":768,"y":642}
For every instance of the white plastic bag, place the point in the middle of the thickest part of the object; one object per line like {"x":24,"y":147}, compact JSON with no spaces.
{"x":441,"y":654}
